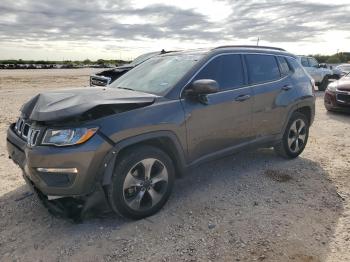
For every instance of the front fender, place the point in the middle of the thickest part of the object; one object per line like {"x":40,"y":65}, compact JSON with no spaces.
{"x":111,"y":157}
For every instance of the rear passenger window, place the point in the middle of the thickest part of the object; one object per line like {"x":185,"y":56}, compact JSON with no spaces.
{"x":227,"y":70}
{"x":262,"y":68}
{"x":284,"y":68}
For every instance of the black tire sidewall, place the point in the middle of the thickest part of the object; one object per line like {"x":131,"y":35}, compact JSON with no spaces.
{"x":286,"y":148}
{"x":323,"y":85}
{"x":122,"y":167}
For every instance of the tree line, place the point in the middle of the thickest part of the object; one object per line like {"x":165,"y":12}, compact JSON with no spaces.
{"x":339,"y":58}
{"x":65,"y":62}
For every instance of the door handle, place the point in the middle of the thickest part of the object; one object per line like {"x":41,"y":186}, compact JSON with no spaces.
{"x":286,"y":87}
{"x":242,"y":98}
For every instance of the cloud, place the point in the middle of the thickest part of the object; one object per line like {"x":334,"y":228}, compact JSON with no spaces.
{"x":66,"y":25}
{"x":285,"y":20}
{"x":99,"y":20}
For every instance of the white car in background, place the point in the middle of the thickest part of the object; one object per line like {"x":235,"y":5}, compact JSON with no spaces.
{"x":344,"y":68}
{"x":319,"y":74}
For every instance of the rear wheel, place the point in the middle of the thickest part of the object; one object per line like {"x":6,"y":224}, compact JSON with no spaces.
{"x":295,"y":136}
{"x":142,"y":182}
{"x":323,"y":85}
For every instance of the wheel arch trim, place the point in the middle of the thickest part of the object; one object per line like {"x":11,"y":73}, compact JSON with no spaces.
{"x":295,"y":108}
{"x":111,"y":157}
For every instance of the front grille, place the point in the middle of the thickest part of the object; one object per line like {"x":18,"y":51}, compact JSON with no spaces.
{"x":27,"y":132}
{"x":33,"y":136}
{"x":343,"y":98}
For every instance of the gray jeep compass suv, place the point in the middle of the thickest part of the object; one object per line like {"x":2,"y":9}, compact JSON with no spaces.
{"x":127,"y":143}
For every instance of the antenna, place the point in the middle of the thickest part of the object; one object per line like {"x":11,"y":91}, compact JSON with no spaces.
{"x":257,"y":42}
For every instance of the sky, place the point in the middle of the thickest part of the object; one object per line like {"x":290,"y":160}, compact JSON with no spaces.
{"x":123,"y":29}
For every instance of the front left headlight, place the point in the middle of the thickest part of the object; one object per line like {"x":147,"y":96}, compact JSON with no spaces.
{"x":68,"y":137}
{"x":332,"y":87}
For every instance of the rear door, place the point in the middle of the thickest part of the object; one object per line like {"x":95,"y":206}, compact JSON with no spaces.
{"x":225,"y":121}
{"x":271,"y":85}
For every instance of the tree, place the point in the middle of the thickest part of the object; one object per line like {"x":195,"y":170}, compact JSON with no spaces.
{"x":333,"y":60}
{"x":86,"y":62}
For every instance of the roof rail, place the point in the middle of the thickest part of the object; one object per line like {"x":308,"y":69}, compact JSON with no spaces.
{"x":251,"y":46}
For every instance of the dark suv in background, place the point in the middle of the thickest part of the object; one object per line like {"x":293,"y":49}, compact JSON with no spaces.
{"x":106,"y":77}
{"x":127,"y":143}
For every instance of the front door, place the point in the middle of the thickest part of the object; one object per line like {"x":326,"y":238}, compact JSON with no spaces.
{"x":226,"y":119}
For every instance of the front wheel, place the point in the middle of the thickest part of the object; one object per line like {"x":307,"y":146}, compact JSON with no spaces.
{"x":295,"y":136}
{"x":141,"y":183}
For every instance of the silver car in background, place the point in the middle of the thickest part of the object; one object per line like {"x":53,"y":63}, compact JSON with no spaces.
{"x":319,"y":74}
{"x":344,"y":68}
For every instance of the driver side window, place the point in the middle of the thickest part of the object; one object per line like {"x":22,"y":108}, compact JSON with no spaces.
{"x":313,"y":62}
{"x":227,"y":70}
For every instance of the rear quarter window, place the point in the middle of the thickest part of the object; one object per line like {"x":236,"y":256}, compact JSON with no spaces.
{"x":284,"y":67}
{"x":262,"y":68}
{"x":296,"y":67}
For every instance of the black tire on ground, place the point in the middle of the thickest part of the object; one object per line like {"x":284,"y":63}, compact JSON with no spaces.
{"x":328,"y":108}
{"x":133,"y":198}
{"x":323,"y":85}
{"x":295,"y":136}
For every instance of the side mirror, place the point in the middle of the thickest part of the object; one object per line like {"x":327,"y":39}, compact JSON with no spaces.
{"x":199,"y":89}
{"x":204,"y":87}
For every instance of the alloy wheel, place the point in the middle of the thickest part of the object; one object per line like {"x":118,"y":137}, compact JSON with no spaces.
{"x":297,"y":135}
{"x":145,"y":184}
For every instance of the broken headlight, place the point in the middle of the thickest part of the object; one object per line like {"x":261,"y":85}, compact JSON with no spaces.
{"x":68,"y":137}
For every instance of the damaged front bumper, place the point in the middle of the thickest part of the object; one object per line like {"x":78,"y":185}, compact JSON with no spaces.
{"x":76,"y":208}
{"x":67,"y":193}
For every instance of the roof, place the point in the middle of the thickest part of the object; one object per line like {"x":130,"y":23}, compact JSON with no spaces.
{"x":232,"y":48}
{"x":250,"y":46}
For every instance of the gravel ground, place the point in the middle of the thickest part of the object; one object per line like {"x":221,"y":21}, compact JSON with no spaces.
{"x":252,"y":206}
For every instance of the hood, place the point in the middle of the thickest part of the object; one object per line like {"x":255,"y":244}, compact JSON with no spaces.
{"x":62,"y":104}
{"x":118,"y":69}
{"x":342,"y":84}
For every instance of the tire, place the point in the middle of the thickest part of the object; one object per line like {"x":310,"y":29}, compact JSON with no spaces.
{"x":323,"y":85}
{"x":142,"y":182}
{"x":295,"y":136}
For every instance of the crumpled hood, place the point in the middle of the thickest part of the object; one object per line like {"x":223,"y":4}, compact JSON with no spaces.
{"x":61,"y":104}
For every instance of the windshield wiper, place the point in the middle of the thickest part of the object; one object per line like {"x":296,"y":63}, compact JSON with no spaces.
{"x":126,"y":88}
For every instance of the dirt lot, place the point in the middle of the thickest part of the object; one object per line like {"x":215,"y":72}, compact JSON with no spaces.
{"x":253,"y":206}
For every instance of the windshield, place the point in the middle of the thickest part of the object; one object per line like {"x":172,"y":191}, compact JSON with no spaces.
{"x":141,"y":58}
{"x":158,"y":74}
